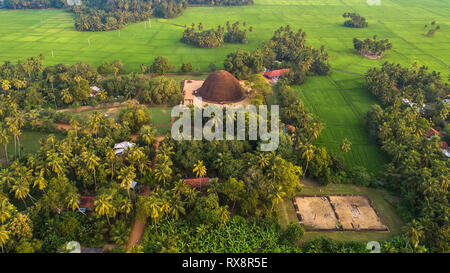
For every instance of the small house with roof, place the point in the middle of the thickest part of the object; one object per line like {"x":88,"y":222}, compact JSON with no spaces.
{"x":275,"y":75}
{"x":122,"y":146}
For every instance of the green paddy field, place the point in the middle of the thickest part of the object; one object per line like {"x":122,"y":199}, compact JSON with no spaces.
{"x":31,"y":32}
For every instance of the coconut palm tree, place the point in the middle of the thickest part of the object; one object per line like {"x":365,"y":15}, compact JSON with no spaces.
{"x":162,"y":171}
{"x":308,"y":155}
{"x":55,"y":163}
{"x":136,"y":157}
{"x":224,"y":214}
{"x":6,"y":209}
{"x":148,"y":136}
{"x":416,"y":232}
{"x":126,"y":206}
{"x":75,"y":125}
{"x":20,"y":84}
{"x":151,"y":206}
{"x":346,"y":146}
{"x":104,"y":206}
{"x":277,"y":196}
{"x":127,"y":175}
{"x":96,"y":121}
{"x":91,"y":161}
{"x":6,"y":85}
{"x":176,"y":208}
{"x":14,"y":130}
{"x":199,"y":169}
{"x":40,"y":181}
{"x":4,"y":140}
{"x":4,"y":237}
{"x":66,"y":97}
{"x":74,"y":201}
{"x":263,"y":160}
{"x":21,"y":189}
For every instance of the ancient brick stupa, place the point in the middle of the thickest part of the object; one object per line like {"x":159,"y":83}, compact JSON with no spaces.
{"x":221,"y":87}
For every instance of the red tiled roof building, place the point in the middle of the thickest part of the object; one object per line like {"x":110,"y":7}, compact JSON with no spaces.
{"x":275,"y":73}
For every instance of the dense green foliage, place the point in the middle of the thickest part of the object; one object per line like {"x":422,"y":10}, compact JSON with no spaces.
{"x":33,"y":4}
{"x":242,"y":63}
{"x":210,"y":38}
{"x":103,"y":15}
{"x":372,"y":48}
{"x":235,"y":34}
{"x":289,"y":49}
{"x":419,"y":171}
{"x":355,"y":21}
{"x":31,"y":85}
{"x":221,"y":2}
{"x":238,"y":235}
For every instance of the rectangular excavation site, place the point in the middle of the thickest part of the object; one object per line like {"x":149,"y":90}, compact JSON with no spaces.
{"x":338,"y":213}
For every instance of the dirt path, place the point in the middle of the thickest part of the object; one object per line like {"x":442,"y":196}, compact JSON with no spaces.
{"x":86,"y":108}
{"x":138,"y":229}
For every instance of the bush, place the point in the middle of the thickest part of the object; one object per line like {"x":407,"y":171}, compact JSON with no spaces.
{"x":161,"y":66}
{"x":293,"y":233}
{"x":186,"y":67}
{"x":212,"y":67}
{"x":361,"y":177}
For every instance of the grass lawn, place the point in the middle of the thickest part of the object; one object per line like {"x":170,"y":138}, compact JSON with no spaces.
{"x":29,"y":142}
{"x":31,"y":32}
{"x":382,"y":201}
{"x":340,"y":101}
{"x":161,"y":115}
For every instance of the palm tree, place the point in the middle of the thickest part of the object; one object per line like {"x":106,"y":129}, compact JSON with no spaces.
{"x":126,"y":206}
{"x":20,"y":189}
{"x":224,"y":214}
{"x":346,"y":146}
{"x":416,"y":231}
{"x":127,"y":175}
{"x":263,"y":160}
{"x":74,"y":202}
{"x":4,"y":140}
{"x":199,"y":169}
{"x":148,"y":136}
{"x":95,"y":122}
{"x":151,"y":206}
{"x":40,"y":181}
{"x":4,"y":237}
{"x":136,"y":157}
{"x":143,"y":68}
{"x":55,"y":163}
{"x":308,"y":155}
{"x":13,"y":130}
{"x":20,"y":84}
{"x":6,"y":209}
{"x":176,"y":208}
{"x":220,"y":162}
{"x":277,"y":196}
{"x":91,"y":161}
{"x":104,"y":206}
{"x":6,"y":85}
{"x":163,"y":172}
{"x":75,"y":125}
{"x":66,"y":97}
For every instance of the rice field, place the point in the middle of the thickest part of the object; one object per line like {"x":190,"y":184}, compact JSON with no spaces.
{"x":52,"y":33}
{"x":340,"y":101}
